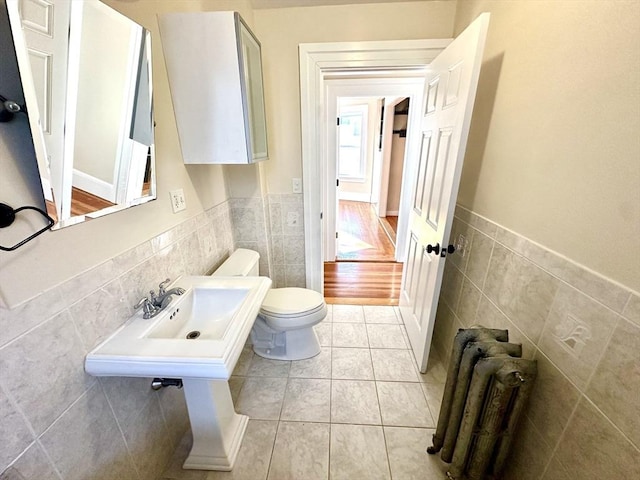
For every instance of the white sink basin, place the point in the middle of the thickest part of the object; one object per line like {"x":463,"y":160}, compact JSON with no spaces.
{"x":198,"y":338}
{"x":200,"y":313}
{"x":199,"y":335}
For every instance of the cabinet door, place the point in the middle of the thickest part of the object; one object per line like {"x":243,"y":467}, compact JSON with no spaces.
{"x":253,"y":93}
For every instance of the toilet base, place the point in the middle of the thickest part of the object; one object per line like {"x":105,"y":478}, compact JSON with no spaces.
{"x":298,"y":345}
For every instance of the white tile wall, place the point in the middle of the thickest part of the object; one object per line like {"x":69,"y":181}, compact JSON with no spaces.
{"x":581,"y":327}
{"x":57,"y":422}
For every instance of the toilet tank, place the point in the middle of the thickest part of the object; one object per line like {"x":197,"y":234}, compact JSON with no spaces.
{"x":242,"y":262}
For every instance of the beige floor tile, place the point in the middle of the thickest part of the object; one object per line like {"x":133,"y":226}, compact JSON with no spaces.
{"x":433,"y":393}
{"x":315,"y":367}
{"x":235,"y":385}
{"x":354,"y":401}
{"x":380,"y":314}
{"x":385,"y":336}
{"x":394,"y":365}
{"x":351,"y":364}
{"x":348,"y":314}
{"x":307,"y":400}
{"x":436,"y":369}
{"x":349,"y":335}
{"x":408,"y":458}
{"x":264,"y":367}
{"x":244,"y":362}
{"x":323,"y":330}
{"x":403,"y":405}
{"x":301,"y":451}
{"x":261,"y":398}
{"x":358,"y":452}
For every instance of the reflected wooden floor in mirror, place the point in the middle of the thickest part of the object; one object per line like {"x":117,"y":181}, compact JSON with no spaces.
{"x":83,"y":202}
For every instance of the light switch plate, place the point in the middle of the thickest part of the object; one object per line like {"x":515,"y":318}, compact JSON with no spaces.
{"x":296,"y":185}
{"x":178,"y":202}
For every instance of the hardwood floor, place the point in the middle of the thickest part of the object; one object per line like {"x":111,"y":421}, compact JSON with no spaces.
{"x":360,"y":235}
{"x":365,"y":271}
{"x":390,"y":225}
{"x":362,"y":283}
{"x":83,"y":202}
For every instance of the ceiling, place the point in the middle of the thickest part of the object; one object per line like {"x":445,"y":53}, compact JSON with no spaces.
{"x":260,"y":4}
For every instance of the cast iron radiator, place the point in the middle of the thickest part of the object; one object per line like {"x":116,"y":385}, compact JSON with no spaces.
{"x":486,"y":390}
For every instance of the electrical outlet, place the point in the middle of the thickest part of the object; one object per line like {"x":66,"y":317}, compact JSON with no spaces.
{"x":297,"y":185}
{"x":293,"y":219}
{"x":178,"y":202}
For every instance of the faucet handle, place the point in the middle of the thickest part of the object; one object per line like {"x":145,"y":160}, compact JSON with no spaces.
{"x":147,"y":307}
{"x":162,"y":285}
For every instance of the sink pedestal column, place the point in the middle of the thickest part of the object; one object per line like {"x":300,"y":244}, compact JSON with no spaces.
{"x":217,"y":429}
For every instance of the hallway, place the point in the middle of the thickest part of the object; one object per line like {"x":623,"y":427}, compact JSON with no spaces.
{"x":365,"y":271}
{"x":361,"y":237}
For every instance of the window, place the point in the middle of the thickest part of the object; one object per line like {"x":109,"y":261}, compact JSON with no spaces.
{"x":352,"y":137}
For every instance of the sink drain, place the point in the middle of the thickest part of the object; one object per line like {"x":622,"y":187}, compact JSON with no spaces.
{"x":193,"y":334}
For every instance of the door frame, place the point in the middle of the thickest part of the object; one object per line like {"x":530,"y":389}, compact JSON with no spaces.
{"x":317,"y":61}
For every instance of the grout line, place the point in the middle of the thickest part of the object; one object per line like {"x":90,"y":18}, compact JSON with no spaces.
{"x":603,"y":352}
{"x":124,"y":438}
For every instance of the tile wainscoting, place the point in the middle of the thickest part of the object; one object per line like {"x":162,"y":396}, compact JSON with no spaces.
{"x":274,"y":227}
{"x":57,"y":422}
{"x":583,"y":420}
{"x":286,"y":222}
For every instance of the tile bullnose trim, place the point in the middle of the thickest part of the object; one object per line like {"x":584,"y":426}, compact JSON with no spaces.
{"x":606,"y":291}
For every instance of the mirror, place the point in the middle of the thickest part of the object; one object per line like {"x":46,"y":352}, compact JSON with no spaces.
{"x":86,"y":74}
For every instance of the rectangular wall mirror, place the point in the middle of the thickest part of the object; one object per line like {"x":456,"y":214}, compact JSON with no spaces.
{"x":86,"y":74}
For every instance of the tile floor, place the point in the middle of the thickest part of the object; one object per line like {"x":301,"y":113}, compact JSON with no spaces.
{"x":358,"y":410}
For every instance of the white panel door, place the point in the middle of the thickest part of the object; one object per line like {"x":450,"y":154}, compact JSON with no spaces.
{"x":45,"y":24}
{"x":450,"y":91}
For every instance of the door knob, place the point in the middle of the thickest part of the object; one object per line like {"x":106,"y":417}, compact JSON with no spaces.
{"x":450,"y":249}
{"x":434,"y":248}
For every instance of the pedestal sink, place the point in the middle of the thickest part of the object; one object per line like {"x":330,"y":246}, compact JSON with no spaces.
{"x":198,"y":338}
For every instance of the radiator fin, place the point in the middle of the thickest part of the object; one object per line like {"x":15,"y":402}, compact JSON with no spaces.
{"x":486,"y":389}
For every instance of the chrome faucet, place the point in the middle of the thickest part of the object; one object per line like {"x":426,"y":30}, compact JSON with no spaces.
{"x":164,"y":296}
{"x":149,"y":309}
{"x":154,"y":304}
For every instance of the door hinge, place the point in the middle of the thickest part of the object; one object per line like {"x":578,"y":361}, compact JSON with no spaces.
{"x":336,"y":234}
{"x":320,"y":215}
{"x":338,"y":121}
{"x":337,"y":182}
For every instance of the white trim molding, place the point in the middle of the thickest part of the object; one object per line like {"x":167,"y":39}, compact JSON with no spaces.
{"x":317,"y":62}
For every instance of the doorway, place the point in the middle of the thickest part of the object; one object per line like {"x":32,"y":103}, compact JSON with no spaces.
{"x":365,"y":157}
{"x":318,"y":64}
{"x":370,"y":154}
{"x":371,"y":134}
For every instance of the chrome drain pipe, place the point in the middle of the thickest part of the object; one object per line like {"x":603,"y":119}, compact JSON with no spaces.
{"x":158,"y":383}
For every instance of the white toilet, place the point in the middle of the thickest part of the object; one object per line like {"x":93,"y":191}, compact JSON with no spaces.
{"x":284,"y":327}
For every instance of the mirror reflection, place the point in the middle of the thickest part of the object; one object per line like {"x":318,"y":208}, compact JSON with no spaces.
{"x":86,"y":72}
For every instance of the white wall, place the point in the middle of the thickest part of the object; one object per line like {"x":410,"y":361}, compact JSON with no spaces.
{"x":281,"y":30}
{"x":554,"y":147}
{"x":105,"y":41}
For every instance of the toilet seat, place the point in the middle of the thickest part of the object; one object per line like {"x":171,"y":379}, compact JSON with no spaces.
{"x":291,"y":301}
{"x":293,"y":308}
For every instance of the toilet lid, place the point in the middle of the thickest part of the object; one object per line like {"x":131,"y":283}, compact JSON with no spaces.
{"x":283,"y":301}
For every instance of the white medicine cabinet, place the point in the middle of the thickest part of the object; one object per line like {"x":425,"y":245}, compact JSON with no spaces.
{"x":215,"y":74}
